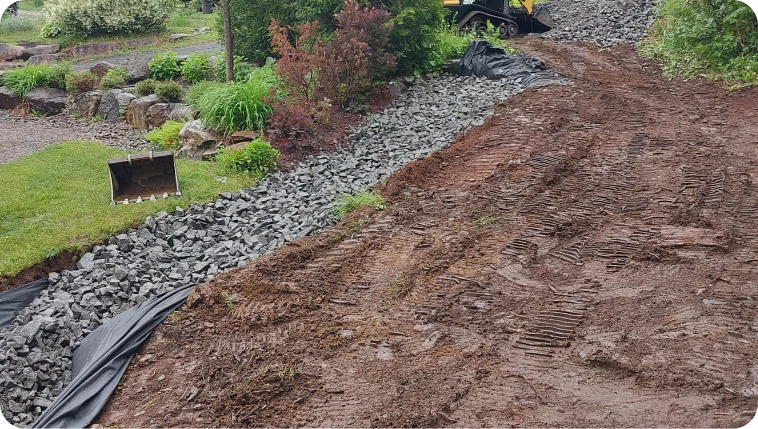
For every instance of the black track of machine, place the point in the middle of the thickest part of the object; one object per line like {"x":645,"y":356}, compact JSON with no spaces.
{"x":509,"y":20}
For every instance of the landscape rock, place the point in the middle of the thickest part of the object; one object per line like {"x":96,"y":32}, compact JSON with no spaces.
{"x":101,"y":68}
{"x":181,"y":113}
{"x":114,"y":104}
{"x":136,"y":66}
{"x":8,"y":100}
{"x":606,"y":23}
{"x":50,"y":101}
{"x":243,"y":136}
{"x":85,"y":105}
{"x":158,"y":113}
{"x":10,"y":65}
{"x":396,"y":88}
{"x":40,"y":50}
{"x":194,"y":134}
{"x":10,"y":52}
{"x":47,"y":59}
{"x":136,"y":114}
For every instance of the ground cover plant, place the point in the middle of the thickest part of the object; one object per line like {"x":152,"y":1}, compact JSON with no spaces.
{"x":255,"y":159}
{"x":114,"y":78}
{"x":57,"y":200}
{"x":166,"y":137}
{"x":169,"y":91}
{"x":24,"y":79}
{"x":718,"y":39}
{"x":145,"y":87}
{"x":81,"y":81}
{"x":348,"y":203}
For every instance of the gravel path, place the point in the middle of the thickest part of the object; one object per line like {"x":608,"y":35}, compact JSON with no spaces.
{"x":20,"y":136}
{"x":603,"y":22}
{"x":121,"y":60}
{"x":193,"y":246}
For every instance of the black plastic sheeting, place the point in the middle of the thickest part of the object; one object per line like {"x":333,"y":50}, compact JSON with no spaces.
{"x":482,"y":59}
{"x":15,"y":300}
{"x":102,"y":358}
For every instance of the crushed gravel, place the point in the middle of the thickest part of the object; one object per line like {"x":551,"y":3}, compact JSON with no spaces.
{"x":602,"y":22}
{"x":192,"y":246}
{"x":20,"y":136}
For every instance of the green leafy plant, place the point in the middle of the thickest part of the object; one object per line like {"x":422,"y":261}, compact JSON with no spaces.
{"x":235,"y":106}
{"x":256,"y":159}
{"x":22,"y":80}
{"x":165,"y":66}
{"x":145,"y":87}
{"x":87,"y":18}
{"x":167,"y":136}
{"x":348,"y":203}
{"x":414,"y":30}
{"x":485,"y":221}
{"x":81,"y":81}
{"x":239,"y":68}
{"x":114,"y":78}
{"x":196,"y":68}
{"x":705,"y":37}
{"x":169,"y":91}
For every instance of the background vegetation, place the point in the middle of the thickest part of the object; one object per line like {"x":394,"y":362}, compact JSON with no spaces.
{"x":718,"y":39}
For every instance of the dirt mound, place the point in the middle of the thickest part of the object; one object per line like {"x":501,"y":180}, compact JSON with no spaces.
{"x":508,"y":283}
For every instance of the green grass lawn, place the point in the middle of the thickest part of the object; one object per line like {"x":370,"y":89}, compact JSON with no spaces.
{"x":58,"y":200}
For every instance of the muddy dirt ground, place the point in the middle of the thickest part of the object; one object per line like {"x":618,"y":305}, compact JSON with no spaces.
{"x":586,"y":258}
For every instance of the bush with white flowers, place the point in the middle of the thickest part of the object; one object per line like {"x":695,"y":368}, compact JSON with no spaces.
{"x":87,"y":18}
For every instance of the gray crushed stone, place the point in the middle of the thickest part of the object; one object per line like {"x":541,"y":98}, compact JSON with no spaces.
{"x":194,"y":245}
{"x":21,"y":136}
{"x":602,"y":22}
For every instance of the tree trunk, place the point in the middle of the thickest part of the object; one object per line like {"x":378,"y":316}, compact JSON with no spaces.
{"x":228,"y":40}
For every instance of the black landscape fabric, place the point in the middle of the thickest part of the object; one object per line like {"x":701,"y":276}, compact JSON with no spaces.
{"x":102,"y":358}
{"x":17,"y":299}
{"x":482,"y":59}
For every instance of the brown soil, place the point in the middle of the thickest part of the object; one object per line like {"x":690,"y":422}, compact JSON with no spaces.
{"x":586,"y":258}
{"x":62,"y":261}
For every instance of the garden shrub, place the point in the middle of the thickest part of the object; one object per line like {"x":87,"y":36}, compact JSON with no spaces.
{"x":114,"y":78}
{"x":165,"y":66}
{"x":413,"y":40}
{"x":236,"y":106}
{"x":289,"y":119}
{"x":250,"y":20}
{"x":196,"y":68}
{"x":15,"y":24}
{"x":166,"y":137}
{"x":169,"y":91}
{"x":339,"y":68}
{"x":348,"y":203}
{"x":255,"y":159}
{"x":81,"y":82}
{"x":87,"y":18}
{"x":24,"y":79}
{"x":719,"y":38}
{"x":145,"y":87}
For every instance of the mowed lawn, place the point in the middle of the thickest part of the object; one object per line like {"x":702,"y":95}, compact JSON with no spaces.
{"x":58,"y":200}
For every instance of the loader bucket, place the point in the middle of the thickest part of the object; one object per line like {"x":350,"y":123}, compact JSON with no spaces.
{"x":541,"y":20}
{"x":142,"y":176}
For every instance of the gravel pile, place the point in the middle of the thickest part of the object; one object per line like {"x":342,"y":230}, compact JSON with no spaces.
{"x":603,"y":22}
{"x":193,"y":246}
{"x":20,"y":136}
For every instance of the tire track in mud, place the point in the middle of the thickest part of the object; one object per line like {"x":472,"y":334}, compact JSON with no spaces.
{"x":580,"y":260}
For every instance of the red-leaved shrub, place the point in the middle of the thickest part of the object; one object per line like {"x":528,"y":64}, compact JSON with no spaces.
{"x":289,"y":119}
{"x":342,"y":67}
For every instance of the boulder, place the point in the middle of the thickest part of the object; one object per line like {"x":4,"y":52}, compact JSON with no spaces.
{"x":136,"y":115}
{"x":40,"y":50}
{"x":114,"y":104}
{"x":96,"y":48}
{"x":86,"y":104}
{"x":136,"y":65}
{"x":158,"y":113}
{"x":10,"y":65}
{"x":181,"y":113}
{"x":47,"y":58}
{"x":8,"y":100}
{"x":101,"y":68}
{"x":194,"y":134}
{"x":10,"y":52}
{"x":50,"y":101}
{"x":243,"y":136}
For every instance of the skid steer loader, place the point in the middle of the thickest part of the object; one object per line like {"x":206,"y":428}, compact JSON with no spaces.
{"x":510,"y":21}
{"x":143,"y":177}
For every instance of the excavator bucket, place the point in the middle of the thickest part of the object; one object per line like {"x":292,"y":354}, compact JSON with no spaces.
{"x":541,"y":20}
{"x":143,"y":177}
